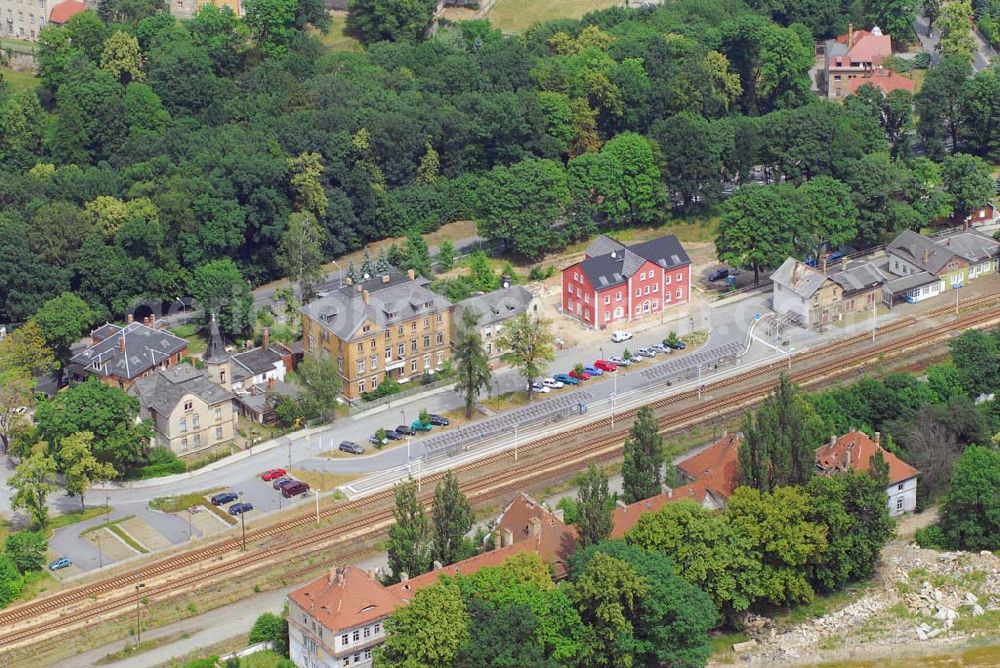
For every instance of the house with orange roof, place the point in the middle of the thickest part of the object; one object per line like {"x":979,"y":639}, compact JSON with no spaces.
{"x":854,"y":451}
{"x":66,"y":10}
{"x":338,"y":619}
{"x":857,"y":54}
{"x":882,"y":79}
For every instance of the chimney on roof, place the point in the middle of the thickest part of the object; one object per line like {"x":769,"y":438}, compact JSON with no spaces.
{"x":878,"y":438}
{"x":670,"y":493}
{"x":497,"y":538}
{"x":534,"y":526}
{"x":795,"y":272}
{"x":265,"y":338}
{"x":270,"y":383}
{"x":824,"y":264}
{"x":411,"y":274}
{"x":927,"y":255}
{"x":690,"y":491}
{"x":348,"y":280}
{"x":365,"y":296}
{"x":404,"y":577}
{"x":850,"y":35}
{"x":621,"y":504}
{"x":129,"y":318}
{"x":849,"y":458}
{"x":385,"y":278}
{"x":358,"y":287}
{"x":437,"y":565}
{"x":508,"y":537}
{"x":833,"y":440}
{"x":336,"y":575}
{"x":121,"y":343}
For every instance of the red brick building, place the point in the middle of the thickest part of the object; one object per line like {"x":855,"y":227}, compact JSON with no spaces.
{"x":615,"y":284}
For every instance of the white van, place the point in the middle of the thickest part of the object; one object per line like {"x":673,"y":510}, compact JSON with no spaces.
{"x":620,"y":336}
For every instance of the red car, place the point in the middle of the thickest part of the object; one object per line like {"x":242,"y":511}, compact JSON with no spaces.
{"x":605,"y":365}
{"x":583,"y":375}
{"x":272,"y":474}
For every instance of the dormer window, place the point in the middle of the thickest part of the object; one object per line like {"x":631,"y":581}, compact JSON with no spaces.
{"x":188,"y":406}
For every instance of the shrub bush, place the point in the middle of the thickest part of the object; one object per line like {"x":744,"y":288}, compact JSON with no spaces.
{"x":272,"y":628}
{"x":930,"y":538}
{"x":26,"y":549}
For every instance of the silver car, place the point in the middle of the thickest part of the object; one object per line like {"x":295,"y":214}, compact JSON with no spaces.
{"x":646,"y":352}
{"x":660,"y":348}
{"x":619,"y":361}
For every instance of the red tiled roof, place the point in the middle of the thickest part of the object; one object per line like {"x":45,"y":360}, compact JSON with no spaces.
{"x":717,"y":466}
{"x":555,"y":539}
{"x":854,"y":450}
{"x":869,"y":48}
{"x":66,"y":10}
{"x":346,"y":598}
{"x":885,"y":80}
{"x":406,"y":590}
{"x":627,"y":517}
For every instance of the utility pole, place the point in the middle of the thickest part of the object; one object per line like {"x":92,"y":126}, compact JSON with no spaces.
{"x":138,"y":624}
{"x":100,"y":555}
{"x":515,"y":442}
{"x":614,"y":395}
{"x":189,"y":523}
{"x":243,"y":523}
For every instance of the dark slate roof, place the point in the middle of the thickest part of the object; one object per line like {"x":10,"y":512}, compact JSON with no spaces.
{"x":344,"y":310}
{"x":619,"y":262}
{"x":914,"y":247}
{"x":145,"y":348}
{"x":905,"y":283}
{"x":258,"y":360}
{"x":161,"y":391}
{"x":798,"y":277}
{"x":970,"y":245}
{"x":216,"y":350}
{"x":497,"y":305}
{"x":857,"y":277}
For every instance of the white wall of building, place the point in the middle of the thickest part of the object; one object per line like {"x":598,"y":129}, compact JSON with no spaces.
{"x":902,"y":497}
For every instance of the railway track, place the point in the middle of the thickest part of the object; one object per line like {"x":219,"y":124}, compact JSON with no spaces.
{"x":224,"y":553}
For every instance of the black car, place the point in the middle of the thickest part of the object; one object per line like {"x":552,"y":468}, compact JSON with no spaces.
{"x":351,"y":447}
{"x":240,"y":508}
{"x":718,"y":275}
{"x":222,"y":498}
{"x":405,"y":431}
{"x":438,"y":421}
{"x":676,"y":344}
{"x":393,"y":435}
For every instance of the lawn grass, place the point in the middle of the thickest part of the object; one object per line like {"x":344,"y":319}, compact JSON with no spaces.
{"x":266,"y":659}
{"x":37,"y":582}
{"x":18,"y":81}
{"x":322,"y":481}
{"x":131,"y":650}
{"x":336,"y":39}
{"x":72,"y":517}
{"x":518,"y":15}
{"x":118,"y":531}
{"x":178,"y":504}
{"x":197,"y":343}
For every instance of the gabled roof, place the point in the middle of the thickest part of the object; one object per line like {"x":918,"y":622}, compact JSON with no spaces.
{"x":609,"y":262}
{"x":665,"y":251}
{"x":920,"y":251}
{"x":391,"y":299}
{"x":717,"y":466}
{"x":128,"y":352}
{"x":970,"y":245}
{"x":498,"y":305}
{"x":555,"y":539}
{"x":603,"y":245}
{"x":884,"y":80}
{"x":858,"y":276}
{"x":798,"y":277}
{"x":346,"y":598}
{"x":66,"y":10}
{"x":854,"y":451}
{"x":259,"y":360}
{"x":163,"y":390}
{"x":626,"y":518}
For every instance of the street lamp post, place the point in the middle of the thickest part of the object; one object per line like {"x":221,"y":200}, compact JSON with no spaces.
{"x":189,"y":523}
{"x":515,"y":442}
{"x":138,"y":624}
{"x":100,"y":555}
{"x":243,"y":524}
{"x":253,"y":433}
{"x":289,"y":454}
{"x":955,"y":288}
{"x":107,"y":509}
{"x":874,"y":321}
{"x":614,"y":395}
{"x":497,"y":382}
{"x":409,"y":468}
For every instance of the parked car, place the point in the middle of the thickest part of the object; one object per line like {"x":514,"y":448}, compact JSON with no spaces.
{"x":439,"y":421}
{"x":606,"y":365}
{"x":282,"y":481}
{"x":296,"y":488}
{"x":565,"y":379}
{"x":646,"y":352}
{"x":351,"y":447}
{"x":61,"y":562}
{"x":676,"y":344}
{"x":405,"y":430}
{"x":620,"y":336}
{"x":420,"y":426}
{"x":718,"y":275}
{"x":579,"y":376}
{"x":240,"y":508}
{"x":222,"y":498}
{"x":273,"y":474}
{"x":593,"y":371}
{"x":619,"y":361}
{"x":375,"y":440}
{"x":393,"y":435}
{"x":553,"y":383}
{"x":538,"y":387}
{"x":660,"y":348}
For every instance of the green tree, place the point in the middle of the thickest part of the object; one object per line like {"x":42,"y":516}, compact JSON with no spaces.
{"x":980,"y":114}
{"x":306,"y":181}
{"x":25,"y":351}
{"x":469,"y":360}
{"x":218,"y":287}
{"x":756,"y":229}
{"x":62,"y":321}
{"x":16,"y":393}
{"x":528,"y":344}
{"x":968,"y":180}
{"x":779,"y":440}
{"x":642,"y":472}
{"x":482,"y":275}
{"x":492,"y":627}
{"x":955,"y":25}
{"x":319,"y":380}
{"x":970,"y":517}
{"x":428,"y":632}
{"x":452,"y":519}
{"x":273,"y":628}
{"x":673,"y":618}
{"x":272,"y":24}
{"x":621,"y":182}
{"x":777,"y":527}
{"x":122,"y":57}
{"x":608,"y":593}
{"x":693,"y":157}
{"x":975,"y":356}
{"x":27,"y":550}
{"x":79,"y":466}
{"x":106,"y":412}
{"x":445,"y":256}
{"x":773,"y":63}
{"x":430,"y":166}
{"x":828,"y":217}
{"x":11,"y":582}
{"x":409,"y":535}
{"x":389,"y":20}
{"x":32,"y":482}
{"x":938,"y":105}
{"x":416,"y":255}
{"x":300,"y":253}
{"x":595,"y":508}
{"x":521,"y":205}
{"x":895,"y":17}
